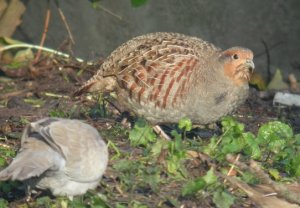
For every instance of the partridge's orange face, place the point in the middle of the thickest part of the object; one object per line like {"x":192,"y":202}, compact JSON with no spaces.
{"x":238,"y":64}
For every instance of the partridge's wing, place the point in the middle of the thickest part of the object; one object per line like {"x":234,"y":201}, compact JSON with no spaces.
{"x":158,"y":73}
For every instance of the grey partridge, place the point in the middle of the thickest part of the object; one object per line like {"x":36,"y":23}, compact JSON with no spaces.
{"x":164,"y":77}
{"x":67,"y":157}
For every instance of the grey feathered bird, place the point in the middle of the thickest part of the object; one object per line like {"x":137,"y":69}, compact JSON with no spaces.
{"x":68,"y":157}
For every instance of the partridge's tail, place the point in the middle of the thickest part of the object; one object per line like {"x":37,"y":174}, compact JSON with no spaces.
{"x":86,"y":87}
{"x":97,"y":84}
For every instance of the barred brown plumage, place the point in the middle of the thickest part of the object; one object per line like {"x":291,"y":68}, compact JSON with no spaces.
{"x":166,"y":76}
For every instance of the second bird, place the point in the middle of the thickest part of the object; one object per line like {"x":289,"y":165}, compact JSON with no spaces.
{"x":164,"y":77}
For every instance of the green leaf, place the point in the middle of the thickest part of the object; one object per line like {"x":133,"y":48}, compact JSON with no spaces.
{"x":138,"y":3}
{"x":231,"y":125}
{"x":275,"y":173}
{"x":173,"y":164}
{"x":210,"y":177}
{"x":158,"y":146}
{"x":176,"y":145}
{"x":3,"y":203}
{"x":252,"y":147}
{"x":23,"y":56}
{"x":8,"y":186}
{"x":185,"y":124}
{"x":277,"y":82}
{"x":63,"y":203}
{"x":58,"y":114}
{"x":277,"y":146}
{"x":125,"y":165}
{"x":2,"y":162}
{"x":137,"y":204}
{"x":234,"y":147}
{"x":76,"y":202}
{"x":153,"y":179}
{"x":297,"y":139}
{"x":193,"y":187}
{"x":120,"y":205}
{"x":274,"y":130}
{"x":141,"y":134}
{"x":293,"y":167}
{"x":223,"y":199}
{"x":99,"y":201}
{"x":249,"y":178}
{"x":211,"y":148}
{"x":45,"y":200}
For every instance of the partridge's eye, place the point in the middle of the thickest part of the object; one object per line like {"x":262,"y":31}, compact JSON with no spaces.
{"x":235,"y":56}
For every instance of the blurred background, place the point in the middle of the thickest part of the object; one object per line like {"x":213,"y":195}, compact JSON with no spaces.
{"x":271,"y":28}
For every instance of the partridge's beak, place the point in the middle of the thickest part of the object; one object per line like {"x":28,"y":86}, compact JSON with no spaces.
{"x":250,"y":65}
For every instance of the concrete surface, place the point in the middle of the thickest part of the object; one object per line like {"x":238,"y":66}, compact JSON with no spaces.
{"x":225,"y":23}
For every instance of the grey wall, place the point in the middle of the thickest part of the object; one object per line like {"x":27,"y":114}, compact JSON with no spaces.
{"x":226,"y":23}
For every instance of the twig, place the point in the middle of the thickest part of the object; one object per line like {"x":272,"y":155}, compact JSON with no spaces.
{"x":12,"y":94}
{"x":24,"y":45}
{"x":254,"y":168}
{"x":270,"y":48}
{"x":233,"y":165}
{"x":161,"y":132}
{"x":63,"y":18}
{"x":49,"y":94}
{"x":279,"y":188}
{"x":109,"y":12}
{"x":258,"y":198}
{"x":47,"y":19}
{"x":268,"y":60}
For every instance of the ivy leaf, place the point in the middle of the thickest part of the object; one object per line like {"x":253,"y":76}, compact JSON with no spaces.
{"x":175,"y":166}
{"x":141,"y":134}
{"x":193,"y":186}
{"x":294,"y":166}
{"x":273,"y":131}
{"x":138,"y":3}
{"x":253,"y":148}
{"x":158,"y":146}
{"x":223,"y":199}
{"x":210,"y":177}
{"x":185,"y":124}
{"x":231,"y":126}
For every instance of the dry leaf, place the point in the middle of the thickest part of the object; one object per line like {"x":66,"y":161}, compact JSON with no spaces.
{"x":277,"y":82}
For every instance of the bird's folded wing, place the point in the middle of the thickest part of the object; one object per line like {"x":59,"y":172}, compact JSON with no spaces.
{"x":81,"y":147}
{"x":29,"y":163}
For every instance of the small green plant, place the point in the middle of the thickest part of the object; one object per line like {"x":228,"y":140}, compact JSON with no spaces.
{"x":5,"y":153}
{"x":138,"y":3}
{"x":3,"y":203}
{"x":209,"y":183}
{"x":62,"y":113}
{"x":223,"y":199}
{"x":275,"y":145}
{"x":58,"y":114}
{"x":142,"y":134}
